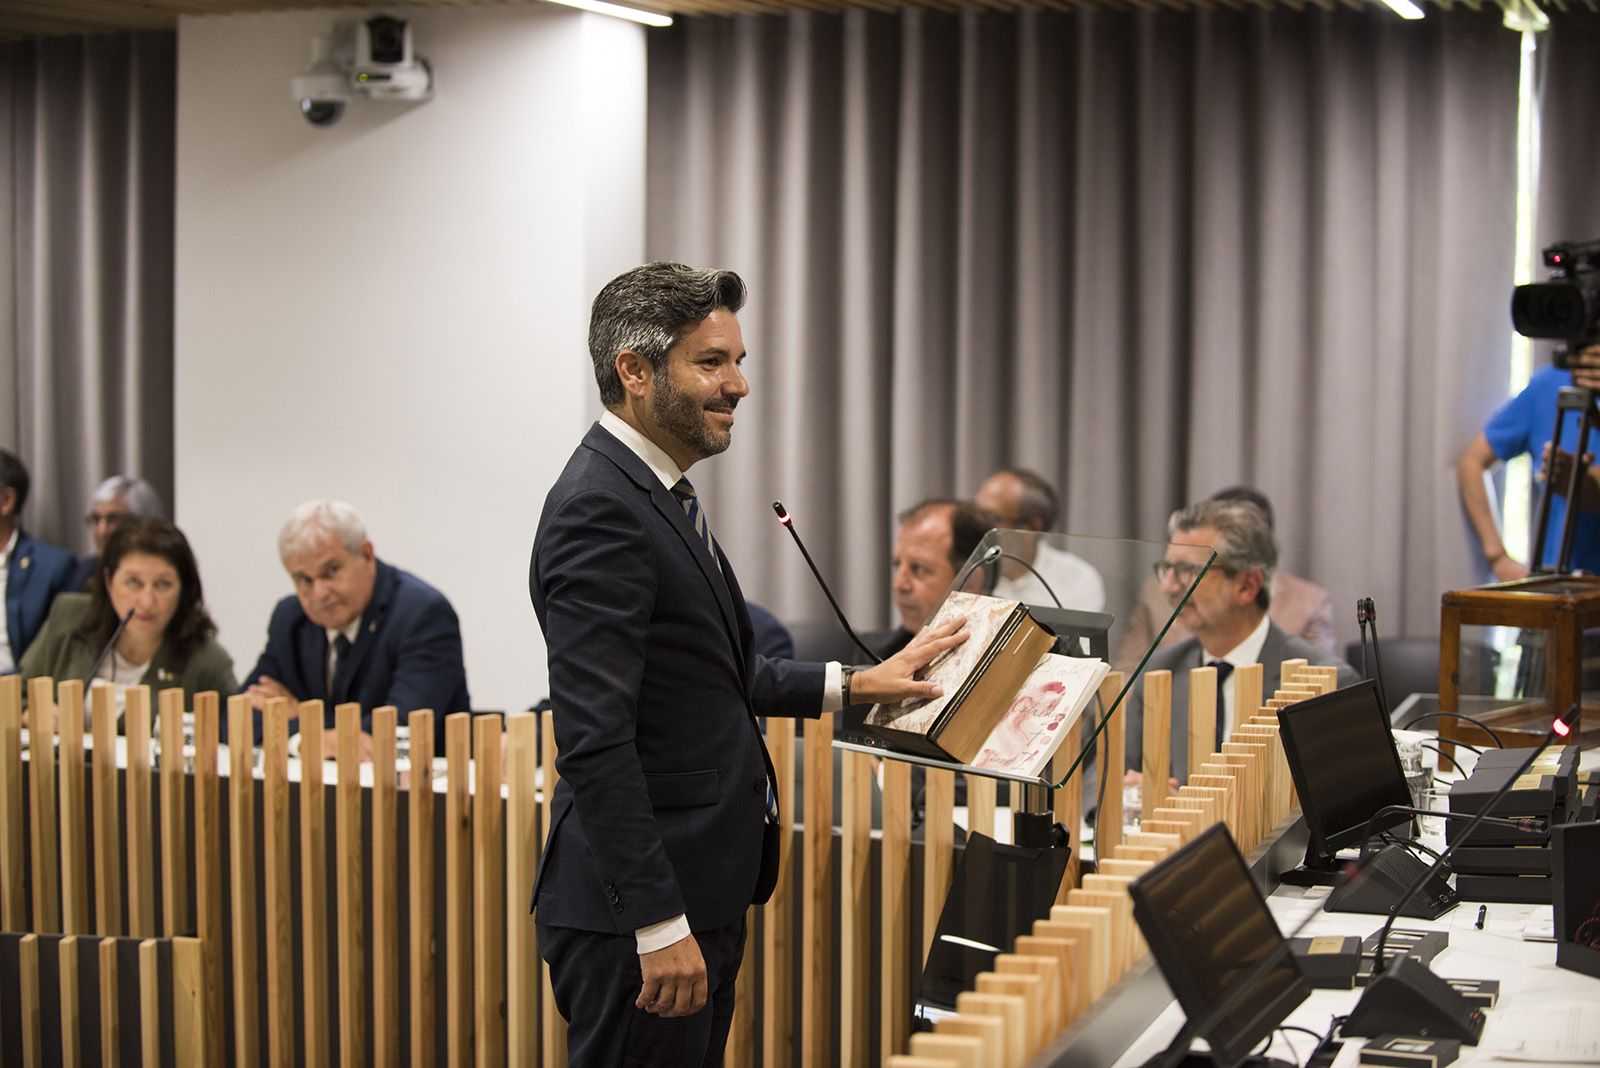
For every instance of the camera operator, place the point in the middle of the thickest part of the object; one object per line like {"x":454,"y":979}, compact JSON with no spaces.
{"x":1523,"y":425}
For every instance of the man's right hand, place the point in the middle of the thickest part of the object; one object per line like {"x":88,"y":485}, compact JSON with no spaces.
{"x":264,"y":689}
{"x":897,"y":678}
{"x":1585,"y":368}
{"x":674,"y":980}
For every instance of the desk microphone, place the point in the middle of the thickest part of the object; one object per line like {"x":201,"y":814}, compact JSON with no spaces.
{"x":987,"y":562}
{"x":100,"y":661}
{"x":788,"y":521}
{"x":1403,"y":996}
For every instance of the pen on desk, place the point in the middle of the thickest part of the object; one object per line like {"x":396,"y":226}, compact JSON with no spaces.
{"x":1483,"y":911}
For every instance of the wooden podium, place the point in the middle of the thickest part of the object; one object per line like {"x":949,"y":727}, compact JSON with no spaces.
{"x":1563,"y":607}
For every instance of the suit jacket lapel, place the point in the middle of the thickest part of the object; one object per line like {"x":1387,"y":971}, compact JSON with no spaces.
{"x":345,"y":671}
{"x":16,"y":577}
{"x":673,"y":514}
{"x":312,"y":648}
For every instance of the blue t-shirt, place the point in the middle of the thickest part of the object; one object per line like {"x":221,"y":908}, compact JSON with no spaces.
{"x":1523,"y":425}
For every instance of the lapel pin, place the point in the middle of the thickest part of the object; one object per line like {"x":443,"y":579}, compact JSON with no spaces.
{"x":23,"y":563}
{"x":372,"y":628}
{"x":163,"y":675}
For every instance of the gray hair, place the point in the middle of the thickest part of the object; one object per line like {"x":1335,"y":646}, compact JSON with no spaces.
{"x":140,"y":497}
{"x":306,"y":522}
{"x":647,"y":310}
{"x":1246,"y":542}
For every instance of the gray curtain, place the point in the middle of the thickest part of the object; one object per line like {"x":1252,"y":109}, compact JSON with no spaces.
{"x":1148,"y":253}
{"x":87,"y":162}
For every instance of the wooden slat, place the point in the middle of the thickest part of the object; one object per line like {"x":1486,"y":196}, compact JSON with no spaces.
{"x":816,"y":917}
{"x":188,"y":1012}
{"x":32,"y":1004}
{"x":69,"y":1002}
{"x":489,"y":903}
{"x":419,"y":800}
{"x":44,"y":826}
{"x":458,"y":890}
{"x":522,"y":861}
{"x":350,"y":887}
{"x":1067,"y":802}
{"x":1048,"y":971}
{"x":1157,"y":741}
{"x":938,"y":848}
{"x":1030,"y":990}
{"x":989,"y":1030}
{"x":107,"y":817}
{"x":1008,"y":1007}
{"x":110,"y":1009}
{"x":981,"y":804}
{"x":277,"y":884}
{"x":855,"y":908}
{"x":174,"y":818}
{"x":242,"y":882}
{"x":76,"y":917}
{"x":1246,"y":691}
{"x":777,"y":938}
{"x":1204,"y":708}
{"x":314,"y":937}
{"x":208,"y":862}
{"x":1102,"y":941}
{"x":1070,"y":975}
{"x":1109,"y":820}
{"x":13,"y":831}
{"x":150,"y":1006}
{"x":141,"y":815}
{"x":894,"y":1011}
{"x":552,"y":1027}
{"x":961,"y":1051}
{"x":385,"y":891}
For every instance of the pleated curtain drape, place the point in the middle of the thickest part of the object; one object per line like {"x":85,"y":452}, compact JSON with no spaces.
{"x":87,"y":157}
{"x":1147,"y":253}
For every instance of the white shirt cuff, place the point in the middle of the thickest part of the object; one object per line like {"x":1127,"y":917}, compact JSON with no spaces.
{"x":663,"y":934}
{"x":833,"y":687}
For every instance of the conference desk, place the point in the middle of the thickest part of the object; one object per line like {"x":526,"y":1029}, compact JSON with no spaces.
{"x":1545,"y":1016}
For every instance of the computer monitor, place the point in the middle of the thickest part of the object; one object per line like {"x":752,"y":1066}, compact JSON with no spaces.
{"x":1208,"y":928}
{"x":1345,"y":767}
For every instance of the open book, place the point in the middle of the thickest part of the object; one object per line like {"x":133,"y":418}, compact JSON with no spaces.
{"x":1007,"y":702}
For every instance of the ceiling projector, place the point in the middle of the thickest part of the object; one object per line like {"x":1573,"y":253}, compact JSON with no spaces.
{"x":370,"y":60}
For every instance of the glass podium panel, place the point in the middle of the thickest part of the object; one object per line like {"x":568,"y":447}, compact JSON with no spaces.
{"x":1096,"y":604}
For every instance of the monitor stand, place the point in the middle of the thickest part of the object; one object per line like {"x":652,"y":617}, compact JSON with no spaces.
{"x":1315,"y":870}
{"x":1197,"y":1059}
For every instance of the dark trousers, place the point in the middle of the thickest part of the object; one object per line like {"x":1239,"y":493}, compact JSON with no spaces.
{"x":596,"y":979}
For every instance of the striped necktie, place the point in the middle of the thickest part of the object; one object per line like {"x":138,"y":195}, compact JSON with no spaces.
{"x":697,"y":517}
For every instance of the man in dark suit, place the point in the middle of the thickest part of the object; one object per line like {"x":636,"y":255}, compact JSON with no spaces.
{"x":357,"y":629}
{"x":664,"y":819}
{"x":1227,"y":616}
{"x":32,"y":572}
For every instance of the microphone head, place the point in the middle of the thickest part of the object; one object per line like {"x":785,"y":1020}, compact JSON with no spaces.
{"x":783,"y":513}
{"x":1563,"y":724}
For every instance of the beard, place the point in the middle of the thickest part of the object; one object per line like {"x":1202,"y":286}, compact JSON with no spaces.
{"x":684,"y":418}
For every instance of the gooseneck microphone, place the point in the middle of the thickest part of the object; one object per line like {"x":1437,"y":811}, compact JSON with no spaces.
{"x":1531,"y":824}
{"x":100,"y":661}
{"x":995,"y":552}
{"x":788,"y":521}
{"x":1560,"y":728}
{"x":1367,"y":616}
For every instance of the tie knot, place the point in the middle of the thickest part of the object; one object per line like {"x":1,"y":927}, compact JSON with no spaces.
{"x":342,"y":644}
{"x":682,"y":490}
{"x":1224,"y":669}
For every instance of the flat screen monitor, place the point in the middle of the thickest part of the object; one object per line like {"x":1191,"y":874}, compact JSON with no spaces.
{"x":1208,"y":928}
{"x":1345,"y":767}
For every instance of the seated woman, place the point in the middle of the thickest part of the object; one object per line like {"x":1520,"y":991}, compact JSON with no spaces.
{"x":147,"y":569}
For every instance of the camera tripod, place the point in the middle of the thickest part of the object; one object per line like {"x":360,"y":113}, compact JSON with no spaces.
{"x":1570,"y":399}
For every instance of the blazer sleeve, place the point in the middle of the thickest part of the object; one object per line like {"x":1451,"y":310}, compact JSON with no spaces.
{"x":428,"y":667}
{"x":210,"y":668}
{"x":594,"y":573}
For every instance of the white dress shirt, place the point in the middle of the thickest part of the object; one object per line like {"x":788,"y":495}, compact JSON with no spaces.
{"x":1245,"y":653}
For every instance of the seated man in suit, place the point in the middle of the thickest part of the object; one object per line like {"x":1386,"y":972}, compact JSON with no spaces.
{"x":932,"y":545}
{"x":1019,"y":499}
{"x":32,"y":572}
{"x":116,"y":499}
{"x":1299,"y":606}
{"x":1227,"y":617}
{"x":357,"y":629}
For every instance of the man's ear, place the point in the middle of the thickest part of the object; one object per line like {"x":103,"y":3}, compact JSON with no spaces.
{"x":8,"y":502}
{"x":1250,"y":588}
{"x":634,"y":371}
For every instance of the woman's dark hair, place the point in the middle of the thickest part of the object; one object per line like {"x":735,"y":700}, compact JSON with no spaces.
{"x":191,"y":626}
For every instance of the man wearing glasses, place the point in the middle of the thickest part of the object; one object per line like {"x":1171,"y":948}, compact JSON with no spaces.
{"x":1227,"y":617}
{"x":117,"y":499}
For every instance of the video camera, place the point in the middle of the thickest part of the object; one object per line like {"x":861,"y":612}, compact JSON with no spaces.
{"x":1567,"y":307}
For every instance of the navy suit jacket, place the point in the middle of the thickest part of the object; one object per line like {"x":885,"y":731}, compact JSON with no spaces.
{"x":37,"y":572}
{"x":661,"y":804}
{"x":407,"y":654}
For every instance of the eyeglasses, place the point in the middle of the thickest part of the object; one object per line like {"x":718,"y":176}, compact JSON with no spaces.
{"x":109,"y":519}
{"x":1184,"y":573}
